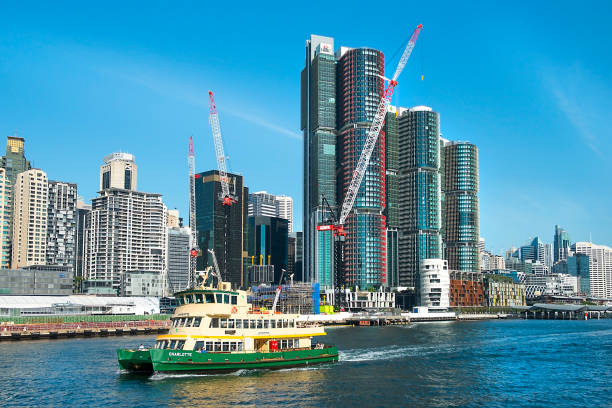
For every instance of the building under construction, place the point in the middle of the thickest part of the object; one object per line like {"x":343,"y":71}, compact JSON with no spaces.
{"x":300,"y":298}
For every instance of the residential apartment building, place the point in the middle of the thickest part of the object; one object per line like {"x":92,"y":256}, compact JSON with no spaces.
{"x":119,"y":171}
{"x":62,"y":224}
{"x":30,"y":219}
{"x":285,"y":209}
{"x":5,"y":220}
{"x":178,"y":258}
{"x":269,"y":205}
{"x":600,"y":267}
{"x":502,"y":291}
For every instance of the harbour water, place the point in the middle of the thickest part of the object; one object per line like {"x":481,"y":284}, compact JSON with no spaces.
{"x":492,"y":363}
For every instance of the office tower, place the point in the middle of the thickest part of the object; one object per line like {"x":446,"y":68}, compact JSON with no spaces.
{"x":298,"y":261}
{"x":14,"y":162}
{"x":222,"y":228}
{"x":178,"y":258}
{"x":461,"y":228}
{"x":391,"y":133}
{"x":82,"y":211}
{"x":30,"y":203}
{"x":578,"y":265}
{"x":173,"y":219}
{"x":600,"y":267}
{"x":359,"y":88}
{"x":62,"y":224}
{"x":318,"y":122}
{"x":119,"y":171}
{"x":546,"y":251}
{"x":285,"y":209}
{"x":126,"y":229}
{"x":262,"y":204}
{"x":269,"y":242}
{"x":561,"y":244}
{"x":419,"y":191}
{"x":5,"y":220}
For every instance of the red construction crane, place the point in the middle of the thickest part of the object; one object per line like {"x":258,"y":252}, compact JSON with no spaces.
{"x":372,"y":138}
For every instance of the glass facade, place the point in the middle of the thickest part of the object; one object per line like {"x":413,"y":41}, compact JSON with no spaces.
{"x":419,"y":191}
{"x":461,"y":226}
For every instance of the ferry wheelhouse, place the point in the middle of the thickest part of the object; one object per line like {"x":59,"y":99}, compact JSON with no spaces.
{"x":216,"y":329}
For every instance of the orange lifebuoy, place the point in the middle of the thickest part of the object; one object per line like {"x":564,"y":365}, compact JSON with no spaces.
{"x":234,"y":309}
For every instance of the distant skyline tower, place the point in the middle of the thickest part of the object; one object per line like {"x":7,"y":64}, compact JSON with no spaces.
{"x":119,"y":171}
{"x":461,"y":224}
{"x":13,"y":162}
{"x":359,"y":88}
{"x":419,"y":191}
{"x":561,"y":244}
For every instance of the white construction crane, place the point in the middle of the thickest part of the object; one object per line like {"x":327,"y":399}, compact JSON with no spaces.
{"x":215,"y":271}
{"x":216,"y":131}
{"x":278,"y":292}
{"x":193,"y":252}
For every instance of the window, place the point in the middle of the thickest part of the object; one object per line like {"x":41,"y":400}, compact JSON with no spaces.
{"x":225,"y":346}
{"x":273,"y":324}
{"x":233,"y":346}
{"x":266,"y":323}
{"x":219,"y":298}
{"x":172,"y":344}
{"x":199,"y":345}
{"x":231,"y":324}
{"x":259,"y":324}
{"x":238,"y":324}
{"x":290,"y":323}
{"x":197,"y":321}
{"x":234,"y":300}
{"x":224,"y":323}
{"x":199,"y":298}
{"x":210,"y":346}
{"x":180,"y":344}
{"x":217,"y":346}
{"x":226,"y":299}
{"x":214,"y":323}
{"x":252,"y":324}
{"x":210,"y":298}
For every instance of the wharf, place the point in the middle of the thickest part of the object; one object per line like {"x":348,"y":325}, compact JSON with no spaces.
{"x":37,"y":331}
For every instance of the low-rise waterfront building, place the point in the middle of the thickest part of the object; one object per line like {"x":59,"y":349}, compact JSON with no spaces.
{"x":434,"y":284}
{"x":466,"y":289}
{"x":37,"y":280}
{"x":141,"y":283}
{"x":502,"y":291}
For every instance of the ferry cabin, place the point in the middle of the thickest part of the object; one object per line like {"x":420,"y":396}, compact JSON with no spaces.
{"x":219,"y":320}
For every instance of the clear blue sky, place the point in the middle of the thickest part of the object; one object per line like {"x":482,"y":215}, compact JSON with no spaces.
{"x":528,"y":82}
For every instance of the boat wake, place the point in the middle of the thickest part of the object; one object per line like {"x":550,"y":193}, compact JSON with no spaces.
{"x":166,"y":376}
{"x":387,"y":353}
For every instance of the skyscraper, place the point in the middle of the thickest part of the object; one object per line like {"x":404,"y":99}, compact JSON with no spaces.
{"x":119,"y":171}
{"x":600,"y":267}
{"x":14,"y":162}
{"x":5,"y":220}
{"x":391,"y":133}
{"x":178,"y":258}
{"x":419,"y":191}
{"x":318,"y":122}
{"x":263,"y":204}
{"x":359,"y":89}
{"x":285,"y":209}
{"x":222,"y":228}
{"x":461,"y":226}
{"x":30,"y":219}
{"x":561,"y":243}
{"x":269,"y":242}
{"x":82,"y":212}
{"x":62,"y":224}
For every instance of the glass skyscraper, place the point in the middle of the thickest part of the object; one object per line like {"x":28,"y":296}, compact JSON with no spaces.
{"x":391,"y":133}
{"x":419,"y":191}
{"x":461,"y":226}
{"x":561,"y":244}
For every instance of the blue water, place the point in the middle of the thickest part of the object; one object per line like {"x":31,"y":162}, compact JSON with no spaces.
{"x":494,"y":363}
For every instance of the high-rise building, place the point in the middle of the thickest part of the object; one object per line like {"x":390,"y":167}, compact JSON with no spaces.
{"x":461,"y":226}
{"x":391,"y":133}
{"x":119,"y":171}
{"x":419,"y":191}
{"x":318,"y":122}
{"x":263,"y":204}
{"x":222,"y":228}
{"x":126,"y":229}
{"x":14,"y":162}
{"x":269,"y":243}
{"x":30,"y":219}
{"x":5,"y":220}
{"x":600,"y":267}
{"x":82,"y":212}
{"x":285,"y":209}
{"x":62,"y":224}
{"x":561,"y":244}
{"x":178,"y":258}
{"x":298,"y":270}
{"x":359,"y":88}
{"x":173,"y":219}
{"x":578,"y":266}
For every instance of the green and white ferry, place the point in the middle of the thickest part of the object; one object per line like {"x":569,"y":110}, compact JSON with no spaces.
{"x":214,"y":329}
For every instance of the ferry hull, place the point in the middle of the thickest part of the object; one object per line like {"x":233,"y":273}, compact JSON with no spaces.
{"x":135,"y":360}
{"x":169,"y":361}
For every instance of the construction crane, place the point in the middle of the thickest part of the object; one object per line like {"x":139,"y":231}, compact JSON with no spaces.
{"x":278,"y":292}
{"x":215,"y":270}
{"x":193,"y":252}
{"x":218,"y":140}
{"x":364,"y":159}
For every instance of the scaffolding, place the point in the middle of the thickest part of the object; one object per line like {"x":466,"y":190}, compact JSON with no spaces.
{"x":294,"y":298}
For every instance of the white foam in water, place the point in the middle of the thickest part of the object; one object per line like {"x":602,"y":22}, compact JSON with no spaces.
{"x":392,"y":352}
{"x":165,"y":376}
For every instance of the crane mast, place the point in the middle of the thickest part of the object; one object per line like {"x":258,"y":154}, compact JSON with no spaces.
{"x":193,"y":252}
{"x":218,"y":140}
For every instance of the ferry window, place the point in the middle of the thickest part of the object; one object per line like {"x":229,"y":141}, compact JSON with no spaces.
{"x":285,"y":323}
{"x":283,"y":344}
{"x":210,"y":298}
{"x":187,"y":299}
{"x":233,"y":346}
{"x":180,"y":344}
{"x":199,"y":345}
{"x":296,"y":343}
{"x":209,"y":346}
{"x":259,"y":324}
{"x":280,"y":324}
{"x":238,"y":324}
{"x":214,"y":322}
{"x":273,"y":324}
{"x":219,"y":298}
{"x":179,"y":300}
{"x":224,"y":323}
{"x":217,"y":346}
{"x":225,"y":346}
{"x":290,"y":323}
{"x":230,"y":324}
{"x":172,"y":343}
{"x":252,"y":324}
{"x":245,"y":323}
{"x":226,"y":299}
{"x":239,"y":346}
{"x":266,"y":324}
{"x":234,"y":300}
{"x":199,"y":298}
{"x":197,"y":321}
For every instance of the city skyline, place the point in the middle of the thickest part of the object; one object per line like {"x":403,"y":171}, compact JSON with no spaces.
{"x":126,"y":91}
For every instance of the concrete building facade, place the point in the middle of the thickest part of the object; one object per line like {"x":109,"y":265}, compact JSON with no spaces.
{"x":119,"y":171}
{"x":434,"y":285}
{"x":62,"y":224}
{"x":600,"y":267}
{"x":5,"y":220}
{"x":178,"y":258}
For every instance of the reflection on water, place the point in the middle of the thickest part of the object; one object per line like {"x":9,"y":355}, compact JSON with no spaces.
{"x":496,"y":363}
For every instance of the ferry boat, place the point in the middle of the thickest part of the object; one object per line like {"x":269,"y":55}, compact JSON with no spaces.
{"x":215,"y":329}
